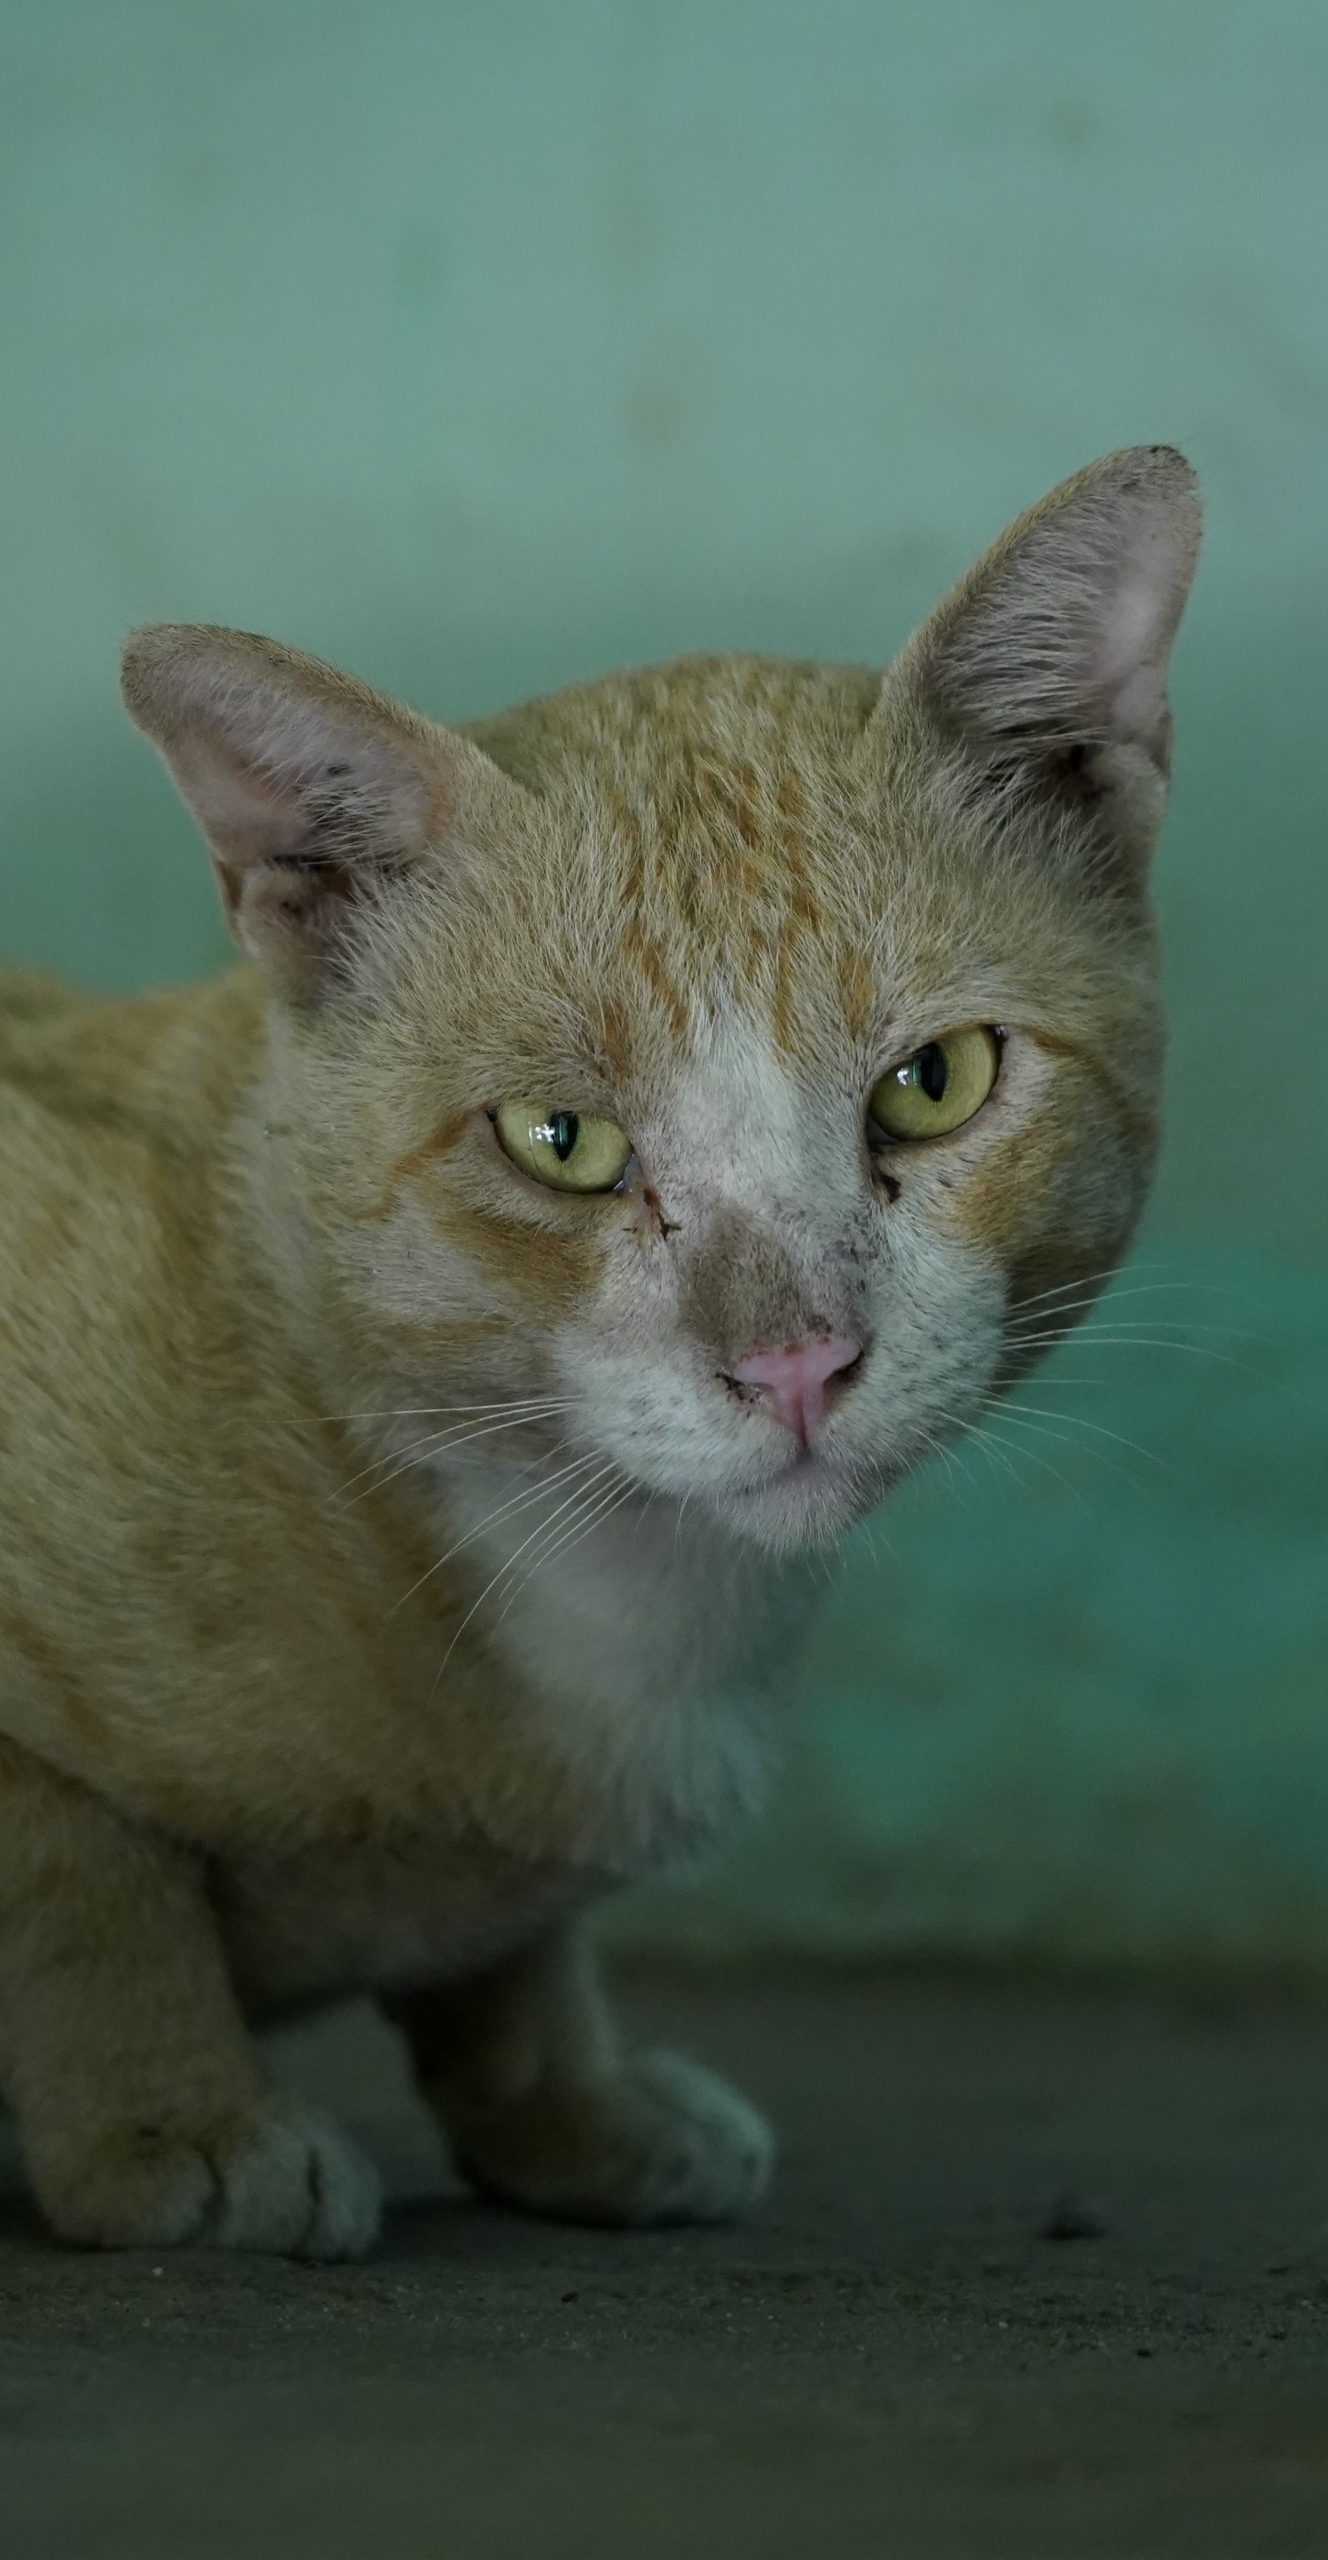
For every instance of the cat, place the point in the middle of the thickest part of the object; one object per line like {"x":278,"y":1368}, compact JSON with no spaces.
{"x":644,"y":1126}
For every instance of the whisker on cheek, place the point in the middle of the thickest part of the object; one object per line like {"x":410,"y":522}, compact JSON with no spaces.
{"x":611,"y":1499}
{"x":496,"y":1578}
{"x":1065,"y":1440}
{"x":983,"y":1438}
{"x":1131,"y":1283}
{"x":503,"y":1510}
{"x":987,"y":1438}
{"x":1089,"y":1340}
{"x":1076,"y":1422}
{"x":949,"y":1456}
{"x":1054,"y":1322}
{"x":423,"y":1412}
{"x":418,"y":1452}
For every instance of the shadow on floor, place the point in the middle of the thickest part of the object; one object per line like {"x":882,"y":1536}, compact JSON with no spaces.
{"x":1042,"y":2274}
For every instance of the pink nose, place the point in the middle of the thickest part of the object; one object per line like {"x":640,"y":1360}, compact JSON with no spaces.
{"x":793,"y":1383}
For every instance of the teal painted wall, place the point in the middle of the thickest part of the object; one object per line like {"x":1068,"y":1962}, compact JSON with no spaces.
{"x":483,"y":346}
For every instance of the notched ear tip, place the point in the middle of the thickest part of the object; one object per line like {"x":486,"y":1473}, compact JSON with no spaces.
{"x":1168,"y":459}
{"x":1155,"y":461}
{"x":1174,"y":469}
{"x":1159,"y":474}
{"x":1139,"y":465}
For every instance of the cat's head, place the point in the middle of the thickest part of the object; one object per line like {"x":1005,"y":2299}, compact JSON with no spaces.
{"x":754,"y":1063}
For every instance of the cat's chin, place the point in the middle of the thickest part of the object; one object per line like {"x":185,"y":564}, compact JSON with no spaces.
{"x":810,"y":1505}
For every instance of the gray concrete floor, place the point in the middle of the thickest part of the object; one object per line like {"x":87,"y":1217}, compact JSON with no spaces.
{"x":900,"y":2357}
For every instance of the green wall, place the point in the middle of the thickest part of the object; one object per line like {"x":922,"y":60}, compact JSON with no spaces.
{"x":481,"y":346}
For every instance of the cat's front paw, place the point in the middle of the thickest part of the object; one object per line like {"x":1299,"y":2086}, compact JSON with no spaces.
{"x":278,"y":2178}
{"x":660,"y":2141}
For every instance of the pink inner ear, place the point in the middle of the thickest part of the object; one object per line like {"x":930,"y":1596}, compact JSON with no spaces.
{"x":305,"y":782}
{"x":1137,"y":627}
{"x":245,"y":815}
{"x":1063,"y":630}
{"x":296,"y":810}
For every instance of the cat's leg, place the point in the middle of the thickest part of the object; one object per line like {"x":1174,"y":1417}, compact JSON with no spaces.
{"x":140,"y":2102}
{"x":543,"y":2112}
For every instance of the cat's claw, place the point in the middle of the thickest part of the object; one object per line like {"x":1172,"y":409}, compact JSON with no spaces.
{"x":280,"y":2178}
{"x":663,"y":2141}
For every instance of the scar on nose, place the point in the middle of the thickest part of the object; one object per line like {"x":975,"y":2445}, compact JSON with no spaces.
{"x":890,"y":1185}
{"x":667,"y":1226}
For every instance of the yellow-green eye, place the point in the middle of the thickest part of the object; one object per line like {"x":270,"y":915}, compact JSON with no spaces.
{"x":939,"y":1087}
{"x":564,"y":1149}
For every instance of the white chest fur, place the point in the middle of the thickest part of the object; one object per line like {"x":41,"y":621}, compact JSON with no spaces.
{"x":659,"y":1651}
{"x":653,"y":1657}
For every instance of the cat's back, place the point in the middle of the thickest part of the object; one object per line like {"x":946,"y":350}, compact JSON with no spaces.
{"x":111,"y":1117}
{"x":98,"y":1074}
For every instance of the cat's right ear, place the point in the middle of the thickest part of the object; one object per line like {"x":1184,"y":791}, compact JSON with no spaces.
{"x":317,"y":795}
{"x":1047,"y":664}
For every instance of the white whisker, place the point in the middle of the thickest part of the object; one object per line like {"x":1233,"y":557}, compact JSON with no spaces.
{"x":1038,"y":1458}
{"x":611,"y":1498}
{"x":1076,"y":1422}
{"x":1048,"y":1431}
{"x":953,"y":1456}
{"x":1131,"y":1284}
{"x":433,"y":1444}
{"x":1091,"y":1341}
{"x":422,"y":1412}
{"x":579,"y":1495}
{"x":514,"y":1502}
{"x":992,"y":1446}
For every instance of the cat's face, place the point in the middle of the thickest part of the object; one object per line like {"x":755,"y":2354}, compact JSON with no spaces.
{"x":699,"y":1010}
{"x":749,"y":1063}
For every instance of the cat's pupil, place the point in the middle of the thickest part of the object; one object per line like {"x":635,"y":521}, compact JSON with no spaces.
{"x":564,"y":1129}
{"x":931,"y":1071}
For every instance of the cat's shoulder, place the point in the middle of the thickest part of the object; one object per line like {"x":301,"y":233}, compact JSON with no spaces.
{"x":102,"y":1073}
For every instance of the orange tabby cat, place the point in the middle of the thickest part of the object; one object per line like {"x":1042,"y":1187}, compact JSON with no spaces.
{"x":653,"y":1121}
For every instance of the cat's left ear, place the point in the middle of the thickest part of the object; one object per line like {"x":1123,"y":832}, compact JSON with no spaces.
{"x":1048,"y":662}
{"x":317,"y":796}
